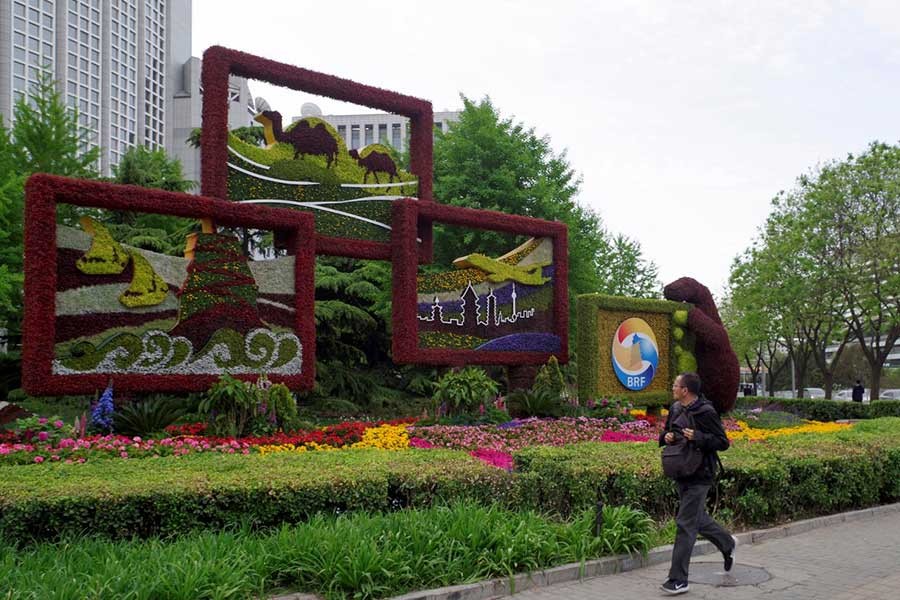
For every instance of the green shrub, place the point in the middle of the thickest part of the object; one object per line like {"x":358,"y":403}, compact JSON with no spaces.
{"x":147,"y":416}
{"x":764,"y":482}
{"x":237,"y":408}
{"x":230,"y":404}
{"x":885,"y":408}
{"x":549,"y":378}
{"x":464,"y":390}
{"x":535,"y":403}
{"x":280,"y":399}
{"x":126,"y":498}
{"x":816,"y":410}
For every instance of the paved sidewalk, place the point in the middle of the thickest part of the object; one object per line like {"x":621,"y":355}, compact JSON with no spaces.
{"x":858,"y":560}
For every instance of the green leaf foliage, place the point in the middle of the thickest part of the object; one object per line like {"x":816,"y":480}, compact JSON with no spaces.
{"x":147,"y":416}
{"x":356,"y":556}
{"x":464,"y":390}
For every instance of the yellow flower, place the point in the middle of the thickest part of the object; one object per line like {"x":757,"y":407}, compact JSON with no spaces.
{"x":751,"y":433}
{"x":385,"y":437}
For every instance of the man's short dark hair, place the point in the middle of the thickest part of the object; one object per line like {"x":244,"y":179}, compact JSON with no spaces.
{"x":691,"y":381}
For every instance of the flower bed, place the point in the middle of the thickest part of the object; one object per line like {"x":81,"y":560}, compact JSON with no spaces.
{"x":493,"y":444}
{"x":765,"y":481}
{"x":519,"y":434}
{"x":747,"y":432}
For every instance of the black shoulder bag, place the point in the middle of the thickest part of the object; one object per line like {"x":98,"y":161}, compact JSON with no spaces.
{"x":683,"y":458}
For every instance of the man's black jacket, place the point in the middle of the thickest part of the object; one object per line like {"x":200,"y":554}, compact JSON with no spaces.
{"x":709,"y":435}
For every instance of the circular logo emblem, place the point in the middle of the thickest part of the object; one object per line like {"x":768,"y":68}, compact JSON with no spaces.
{"x":635,"y":354}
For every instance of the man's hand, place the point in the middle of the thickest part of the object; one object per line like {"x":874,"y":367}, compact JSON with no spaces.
{"x":670,"y":438}
{"x":688,"y":433}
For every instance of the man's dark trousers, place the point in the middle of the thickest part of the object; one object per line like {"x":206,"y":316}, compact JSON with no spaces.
{"x":692,"y":519}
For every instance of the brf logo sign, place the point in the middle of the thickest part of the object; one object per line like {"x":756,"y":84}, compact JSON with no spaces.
{"x":635,"y":354}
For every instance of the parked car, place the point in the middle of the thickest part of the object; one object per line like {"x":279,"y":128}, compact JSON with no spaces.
{"x":848,"y":395}
{"x":893,"y":394}
{"x":810,"y":392}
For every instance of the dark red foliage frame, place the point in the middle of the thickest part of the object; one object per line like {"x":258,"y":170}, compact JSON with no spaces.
{"x":407,"y":217}
{"x":220,"y":62}
{"x":44,"y":192}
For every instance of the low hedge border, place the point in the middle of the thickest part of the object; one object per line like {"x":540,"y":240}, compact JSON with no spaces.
{"x":167,"y":497}
{"x":766,"y":482}
{"x":824,"y":410}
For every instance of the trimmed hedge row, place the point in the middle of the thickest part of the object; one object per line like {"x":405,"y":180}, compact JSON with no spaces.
{"x":169,"y":496}
{"x":824,"y":410}
{"x":765,"y":482}
{"x":780,"y":479}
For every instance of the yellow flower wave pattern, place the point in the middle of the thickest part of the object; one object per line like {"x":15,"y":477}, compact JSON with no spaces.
{"x":751,"y":433}
{"x":384,"y":437}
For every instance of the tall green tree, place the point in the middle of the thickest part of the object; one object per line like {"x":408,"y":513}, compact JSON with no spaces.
{"x":151,"y":168}
{"x":11,"y":204}
{"x":826,"y":266}
{"x":489,"y":162}
{"x":854,"y":205}
{"x":45,"y":137}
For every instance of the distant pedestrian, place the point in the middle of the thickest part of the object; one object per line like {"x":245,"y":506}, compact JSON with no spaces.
{"x":693,"y":421}
{"x":858,"y":391}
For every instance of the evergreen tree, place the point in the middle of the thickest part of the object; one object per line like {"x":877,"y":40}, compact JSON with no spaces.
{"x":46,"y":137}
{"x":152,"y":169}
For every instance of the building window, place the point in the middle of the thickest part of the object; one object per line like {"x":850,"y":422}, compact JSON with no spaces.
{"x":382,"y":133}
{"x":370,"y":134}
{"x":395,"y":136}
{"x":354,"y":137}
{"x":342,"y":132}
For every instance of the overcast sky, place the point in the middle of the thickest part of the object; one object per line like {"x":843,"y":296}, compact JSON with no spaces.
{"x":683,"y":118}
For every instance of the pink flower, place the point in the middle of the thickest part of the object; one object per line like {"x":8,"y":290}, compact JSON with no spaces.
{"x":43,"y":420}
{"x":42,"y":436}
{"x":123,"y":454}
{"x":39,"y":459}
{"x":58,"y":423}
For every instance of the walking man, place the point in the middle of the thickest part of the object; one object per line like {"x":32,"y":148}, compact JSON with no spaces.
{"x":693,"y":420}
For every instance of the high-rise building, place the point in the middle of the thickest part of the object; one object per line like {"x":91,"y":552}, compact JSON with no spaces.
{"x":124,"y":64}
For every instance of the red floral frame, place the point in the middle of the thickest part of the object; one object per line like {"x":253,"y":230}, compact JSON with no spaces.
{"x":44,"y":192}
{"x":220,"y":62}
{"x":407,"y":216}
